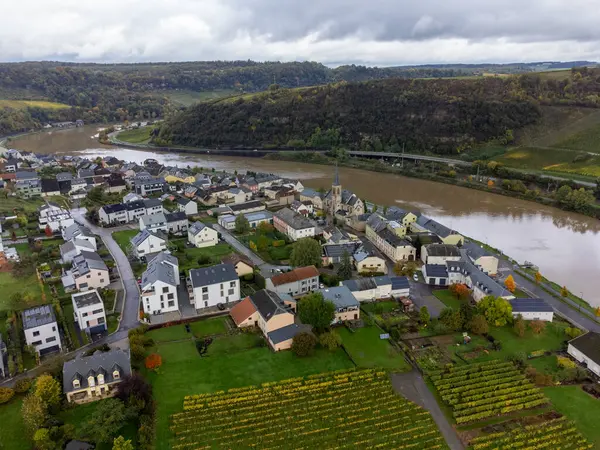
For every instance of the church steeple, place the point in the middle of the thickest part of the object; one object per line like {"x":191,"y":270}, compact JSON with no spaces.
{"x":336,"y":180}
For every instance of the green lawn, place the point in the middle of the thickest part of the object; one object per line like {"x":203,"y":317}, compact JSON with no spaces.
{"x":520,"y":294}
{"x":7,"y":205}
{"x":69,"y":314}
{"x":136,"y":135}
{"x":188,"y":258}
{"x":379,"y":307}
{"x":209,"y":327}
{"x":123,"y":238}
{"x":269,"y":252}
{"x":166,"y":334}
{"x":79,"y":415}
{"x":544,"y":364}
{"x":184,"y":372}
{"x":112,"y":322}
{"x":552,"y":160}
{"x":448,"y":298}
{"x":12,"y":430}
{"x":10,"y":285}
{"x":368,"y":350}
{"x":578,"y":406}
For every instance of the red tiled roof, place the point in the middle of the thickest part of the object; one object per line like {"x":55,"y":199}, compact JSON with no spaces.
{"x":242,"y":310}
{"x":301,"y":273}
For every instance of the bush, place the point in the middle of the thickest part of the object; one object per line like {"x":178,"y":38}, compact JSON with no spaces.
{"x":330,"y":280}
{"x":537,"y":326}
{"x":304,"y":344}
{"x":249,"y":277}
{"x":6,"y":394}
{"x":565,"y":363}
{"x":478,"y":324}
{"x":573,"y":332}
{"x":137,"y":331}
{"x":519,"y":359}
{"x":330,"y":340}
{"x":22,"y":385}
{"x":137,"y":352}
{"x":279,"y":243}
{"x":153,"y":361}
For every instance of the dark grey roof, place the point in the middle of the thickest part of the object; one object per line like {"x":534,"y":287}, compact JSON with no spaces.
{"x":474,"y":250}
{"x":212,"y":275}
{"x":337,"y":250}
{"x":363,"y":284}
{"x":268,"y":303}
{"x":85,"y":173}
{"x":341,"y":296}
{"x":111,"y":209}
{"x":434,"y":227}
{"x":38,"y":316}
{"x":456,"y":267}
{"x":399,"y":283}
{"x":151,"y":202}
{"x":287,"y":332}
{"x":196,"y":228}
{"x":49,"y":185}
{"x":589,"y":345}
{"x":482,"y":280}
{"x":163,"y":267}
{"x":154,"y":219}
{"x":104,"y":363}
{"x":248,"y":205}
{"x":76,"y":230}
{"x":135,"y":205}
{"x":143,"y":235}
{"x":530,"y":305}
{"x":393,"y":239}
{"x":436,"y":270}
{"x":87,"y":298}
{"x":376,"y":222}
{"x":176,"y":217}
{"x":26,"y":175}
{"x":87,"y":261}
{"x":293,"y":219}
{"x":183,"y":201}
{"x":442,"y":250}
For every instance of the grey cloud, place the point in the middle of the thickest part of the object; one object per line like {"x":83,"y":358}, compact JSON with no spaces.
{"x":331,"y":31}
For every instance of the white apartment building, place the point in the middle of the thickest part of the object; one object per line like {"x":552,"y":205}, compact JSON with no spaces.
{"x":41,"y":329}
{"x":147,"y":242}
{"x":89,"y":313}
{"x":202,"y":236}
{"x":159,"y":285}
{"x":213,"y":285}
{"x":297,"y":282}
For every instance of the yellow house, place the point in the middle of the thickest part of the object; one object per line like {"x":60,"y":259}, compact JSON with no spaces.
{"x":175,"y":178}
{"x":243,"y":266}
{"x":447,"y":235}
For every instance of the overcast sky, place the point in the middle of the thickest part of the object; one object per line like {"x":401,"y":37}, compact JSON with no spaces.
{"x":373,"y":32}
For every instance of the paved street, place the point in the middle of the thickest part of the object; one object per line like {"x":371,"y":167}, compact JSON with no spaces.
{"x":421,"y":295}
{"x":266,"y":269}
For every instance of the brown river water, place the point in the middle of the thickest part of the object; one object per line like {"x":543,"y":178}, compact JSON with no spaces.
{"x":565,"y":245}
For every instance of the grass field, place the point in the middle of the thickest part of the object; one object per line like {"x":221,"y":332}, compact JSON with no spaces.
{"x":188,"y":97}
{"x":201,"y":328}
{"x":23,"y":104}
{"x":10,"y":285}
{"x":579,"y":406}
{"x":136,"y":135}
{"x":448,"y":298}
{"x":379,"y":307}
{"x":12,"y":431}
{"x":368,"y":350}
{"x":551,"y":160}
{"x":184,"y":372}
{"x":7,"y":205}
{"x":123,"y":238}
{"x":188,"y":258}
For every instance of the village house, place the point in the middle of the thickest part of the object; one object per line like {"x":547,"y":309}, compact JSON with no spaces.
{"x":149,"y":186}
{"x":88,"y":311}
{"x":439,"y":253}
{"x":481,"y":284}
{"x":312,"y":196}
{"x":346,"y":305}
{"x":147,"y":242}
{"x":115,"y":184}
{"x":74,"y":247}
{"x":374,"y":288}
{"x":486,"y":261}
{"x":28,"y":188}
{"x":79,"y":232}
{"x":387,"y":236}
{"x":49,"y":187}
{"x":280,"y":195}
{"x":177,"y":223}
{"x":159,"y":285}
{"x":88,"y":272}
{"x":586,"y":350}
{"x":247,"y":207}
{"x":448,"y":236}
{"x":243,"y":265}
{"x":227,"y":221}
{"x":94,"y":377}
{"x":187,"y":206}
{"x":210,"y":286}
{"x":296,"y":282}
{"x":154,"y":223}
{"x":435,"y":274}
{"x":41,"y":329}
{"x":303,"y":208}
{"x":366,"y":261}
{"x":293,"y":225}
{"x":334,"y":253}
{"x":532,"y":309}
{"x":201,"y":235}
{"x":53,"y":216}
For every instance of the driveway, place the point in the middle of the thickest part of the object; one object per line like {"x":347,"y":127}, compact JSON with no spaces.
{"x":266,"y":268}
{"x":412,"y":386}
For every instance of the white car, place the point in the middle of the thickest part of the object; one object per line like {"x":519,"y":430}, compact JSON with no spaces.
{"x":416,"y":277}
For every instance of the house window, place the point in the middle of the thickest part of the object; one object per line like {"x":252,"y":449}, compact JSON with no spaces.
{"x":204,"y":296}
{"x":84,"y":314}
{"x":170,"y":296}
{"x":76,"y":384}
{"x":100,"y":379}
{"x":101,"y":320}
{"x":206,"y":304}
{"x":232,"y":284}
{"x":53,"y":328}
{"x":165,"y":290}
{"x":116,"y":375}
{"x":101,"y":280}
{"x":88,"y":276}
{"x":36,"y":333}
{"x":36,"y":343}
{"x":171,"y":303}
{"x":51,"y":339}
{"x":83,"y":285}
{"x":91,"y":381}
{"x":204,"y":290}
{"x":97,"y":311}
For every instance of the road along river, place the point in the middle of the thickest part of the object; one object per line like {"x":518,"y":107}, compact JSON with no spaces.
{"x":565,"y":245}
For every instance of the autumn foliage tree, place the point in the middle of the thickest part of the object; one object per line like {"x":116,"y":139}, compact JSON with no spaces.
{"x":537,"y":326}
{"x":461,"y":291}
{"x":510,"y":283}
{"x":519,"y":326}
{"x":48,"y":231}
{"x":564,"y":291}
{"x":153,"y":361}
{"x":538,"y":277}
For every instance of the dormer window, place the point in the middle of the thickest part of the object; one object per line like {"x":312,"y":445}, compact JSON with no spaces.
{"x":116,"y":375}
{"x":100,"y":379}
{"x":91,"y":381}
{"x":76,"y":384}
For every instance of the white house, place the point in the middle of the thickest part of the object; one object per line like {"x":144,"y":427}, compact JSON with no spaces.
{"x":297,"y":282}
{"x":88,"y":272}
{"x":374,"y":288}
{"x":435,"y":274}
{"x":227,"y":221}
{"x":187,"y":206}
{"x":439,"y":253}
{"x":159,"y":285}
{"x":74,"y":247}
{"x":485,"y":260}
{"x":79,"y":232}
{"x":88,"y":311}
{"x":147,"y":242}
{"x":586,"y":350}
{"x":202,"y":236}
{"x":41,"y":329}
{"x":294,"y":225}
{"x":177,"y":223}
{"x":210,"y":286}
{"x":52,"y":215}
{"x":532,"y":309}
{"x":154,"y":223}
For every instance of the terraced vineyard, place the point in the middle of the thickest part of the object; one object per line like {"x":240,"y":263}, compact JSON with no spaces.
{"x":346,"y":409}
{"x":559,"y":433}
{"x":479,"y":391}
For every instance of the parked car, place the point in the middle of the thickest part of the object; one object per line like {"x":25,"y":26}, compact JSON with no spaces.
{"x":416,"y":277}
{"x":221,"y":306}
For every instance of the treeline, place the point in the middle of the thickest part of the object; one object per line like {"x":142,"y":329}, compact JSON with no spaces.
{"x":445,"y":116}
